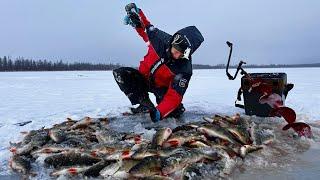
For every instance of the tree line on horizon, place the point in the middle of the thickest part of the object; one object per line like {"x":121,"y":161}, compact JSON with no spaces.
{"x":21,"y":64}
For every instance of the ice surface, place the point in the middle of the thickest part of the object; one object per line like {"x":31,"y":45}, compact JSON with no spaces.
{"x":47,"y":98}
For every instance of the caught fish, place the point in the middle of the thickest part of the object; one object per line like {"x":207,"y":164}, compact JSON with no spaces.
{"x":238,"y":131}
{"x":180,"y":160}
{"x":89,"y":148}
{"x":232,"y":120}
{"x":34,"y":140}
{"x":181,"y":137}
{"x":246,"y":149}
{"x":197,"y":144}
{"x":218,"y":120}
{"x":70,"y":171}
{"x":119,"y":155}
{"x":70,"y":159}
{"x":64,"y":125}
{"x":134,"y":139}
{"x":77,"y":142}
{"x":57,"y":135}
{"x":51,"y":150}
{"x":144,"y":152}
{"x":241,"y":134}
{"x":157,"y":177}
{"x":188,"y":127}
{"x":161,"y":136}
{"x":106,"y":149}
{"x":225,"y":166}
{"x":149,"y":166}
{"x":225,"y":150}
{"x":20,"y":164}
{"x":110,"y":169}
{"x":122,"y":166}
{"x":213,"y":130}
{"x":109,"y":136}
{"x":30,"y":135}
{"x":84,"y":123}
{"x":94,"y":170}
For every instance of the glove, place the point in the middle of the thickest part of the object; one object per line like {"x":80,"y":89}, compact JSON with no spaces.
{"x":127,"y":21}
{"x":132,"y":18}
{"x":132,"y":7}
{"x":155,"y":115}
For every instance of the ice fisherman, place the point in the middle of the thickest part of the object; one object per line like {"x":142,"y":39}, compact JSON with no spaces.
{"x":165,"y":70}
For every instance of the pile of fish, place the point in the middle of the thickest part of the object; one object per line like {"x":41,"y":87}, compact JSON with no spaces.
{"x":89,"y":148}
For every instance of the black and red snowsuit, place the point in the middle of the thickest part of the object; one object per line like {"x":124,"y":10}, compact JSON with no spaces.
{"x":158,"y":73}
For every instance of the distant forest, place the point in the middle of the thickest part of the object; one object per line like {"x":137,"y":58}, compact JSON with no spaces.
{"x":21,"y":64}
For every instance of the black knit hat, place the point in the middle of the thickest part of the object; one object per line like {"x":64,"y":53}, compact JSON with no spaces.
{"x":180,"y":43}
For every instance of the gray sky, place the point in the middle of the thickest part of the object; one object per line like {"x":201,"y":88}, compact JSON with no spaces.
{"x":264,"y":32}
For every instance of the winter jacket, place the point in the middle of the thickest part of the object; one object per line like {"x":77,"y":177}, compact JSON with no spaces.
{"x":160,"y":70}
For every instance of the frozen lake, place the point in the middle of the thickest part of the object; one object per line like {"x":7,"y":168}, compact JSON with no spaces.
{"x":49,"y":97}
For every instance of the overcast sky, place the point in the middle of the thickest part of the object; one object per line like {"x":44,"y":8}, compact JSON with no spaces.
{"x":263,"y":31}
